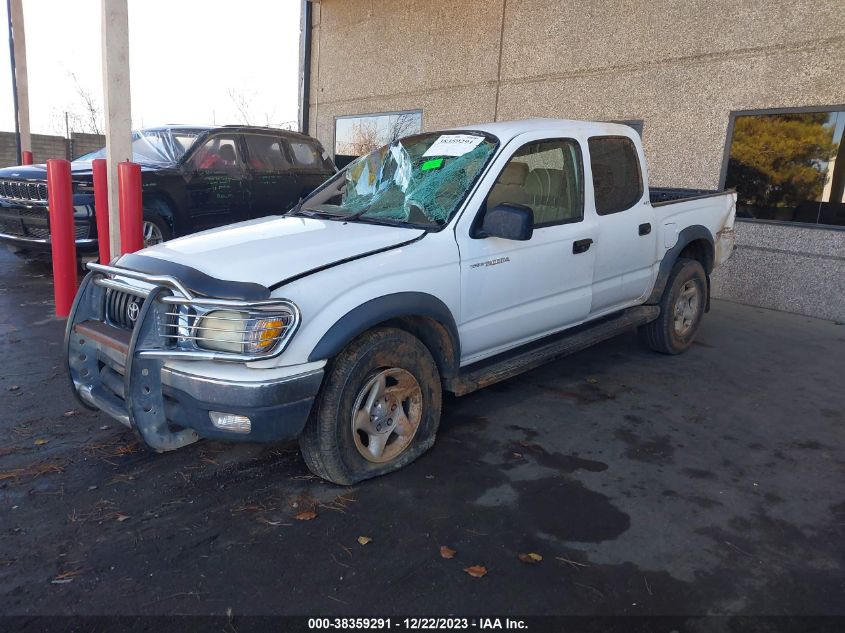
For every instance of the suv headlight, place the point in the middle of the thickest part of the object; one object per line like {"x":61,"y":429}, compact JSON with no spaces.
{"x":241,"y":332}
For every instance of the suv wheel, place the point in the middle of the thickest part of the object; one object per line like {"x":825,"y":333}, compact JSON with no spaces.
{"x":378,"y":408}
{"x":155,"y":229}
{"x":681,"y":309}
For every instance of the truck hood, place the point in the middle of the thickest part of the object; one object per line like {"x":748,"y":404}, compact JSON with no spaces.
{"x":269,"y":250}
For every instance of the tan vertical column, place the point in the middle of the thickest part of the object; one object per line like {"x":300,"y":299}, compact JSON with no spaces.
{"x":21,"y":77}
{"x":116,"y":102}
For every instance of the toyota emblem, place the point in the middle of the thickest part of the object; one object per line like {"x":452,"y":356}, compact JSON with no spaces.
{"x":132,"y":311}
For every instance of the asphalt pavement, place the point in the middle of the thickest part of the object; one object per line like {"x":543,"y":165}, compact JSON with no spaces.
{"x":707,"y":483}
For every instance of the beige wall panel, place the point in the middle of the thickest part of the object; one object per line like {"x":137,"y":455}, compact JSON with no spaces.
{"x":441,"y":109}
{"x":686,"y":104}
{"x":552,"y":36}
{"x":371,"y":48}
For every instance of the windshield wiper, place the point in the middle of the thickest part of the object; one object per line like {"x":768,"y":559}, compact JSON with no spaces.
{"x":312,"y":213}
{"x":357,"y":214}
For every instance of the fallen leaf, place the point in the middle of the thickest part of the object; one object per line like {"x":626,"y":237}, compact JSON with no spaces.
{"x":592,"y":381}
{"x":530,"y":558}
{"x":306,"y":515}
{"x":363,"y":540}
{"x":41,"y":441}
{"x":476,"y":571}
{"x":120,"y":518}
{"x":70,"y":413}
{"x":447,"y":552}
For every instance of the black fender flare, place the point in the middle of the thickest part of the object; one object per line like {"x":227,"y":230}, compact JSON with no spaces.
{"x":160,"y":204}
{"x":381,"y":309}
{"x":685,"y":237}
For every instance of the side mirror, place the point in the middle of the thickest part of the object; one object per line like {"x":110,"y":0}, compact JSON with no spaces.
{"x":508,"y":221}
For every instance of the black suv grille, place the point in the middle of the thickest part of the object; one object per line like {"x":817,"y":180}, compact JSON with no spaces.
{"x":18,"y":190}
{"x":122,"y":308}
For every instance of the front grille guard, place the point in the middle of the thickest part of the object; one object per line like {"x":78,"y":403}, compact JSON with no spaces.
{"x":177,"y":296}
{"x":142,"y":405}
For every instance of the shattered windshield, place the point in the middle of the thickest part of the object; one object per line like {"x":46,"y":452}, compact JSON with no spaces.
{"x":158,"y":146}
{"x":418,"y":180}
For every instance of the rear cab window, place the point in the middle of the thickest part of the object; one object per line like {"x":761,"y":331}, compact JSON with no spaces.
{"x":617,"y":176}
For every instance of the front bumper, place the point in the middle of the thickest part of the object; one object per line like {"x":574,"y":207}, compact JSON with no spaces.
{"x":170,"y":407}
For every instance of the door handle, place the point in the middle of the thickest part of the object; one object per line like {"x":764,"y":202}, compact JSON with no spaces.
{"x":581,"y":246}
{"x":645,"y":228}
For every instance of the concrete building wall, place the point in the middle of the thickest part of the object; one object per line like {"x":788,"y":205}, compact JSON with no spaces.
{"x":82,"y":143}
{"x":680,"y":66}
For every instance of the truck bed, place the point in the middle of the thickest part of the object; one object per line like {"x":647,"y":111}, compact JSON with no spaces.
{"x":667,"y":195}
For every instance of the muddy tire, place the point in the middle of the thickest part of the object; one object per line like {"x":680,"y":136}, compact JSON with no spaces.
{"x":378,"y":408}
{"x":681,"y":310}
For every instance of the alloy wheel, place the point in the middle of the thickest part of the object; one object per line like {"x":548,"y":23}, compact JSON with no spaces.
{"x":686,"y":308}
{"x":386,"y":414}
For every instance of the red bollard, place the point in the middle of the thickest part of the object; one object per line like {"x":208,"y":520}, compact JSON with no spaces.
{"x":131,"y":207}
{"x":101,"y":207}
{"x":62,"y":238}
{"x":26,"y":157}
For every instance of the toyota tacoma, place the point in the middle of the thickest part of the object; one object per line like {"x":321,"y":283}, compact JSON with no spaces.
{"x":444,"y":261}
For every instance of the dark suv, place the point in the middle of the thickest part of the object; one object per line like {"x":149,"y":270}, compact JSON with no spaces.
{"x":194,"y":178}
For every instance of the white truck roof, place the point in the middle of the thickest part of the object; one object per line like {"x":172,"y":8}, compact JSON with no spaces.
{"x":506,"y":130}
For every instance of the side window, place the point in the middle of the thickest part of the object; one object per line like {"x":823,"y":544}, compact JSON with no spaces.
{"x":546,"y":176}
{"x":265,"y":153}
{"x":306,"y":154}
{"x":218,"y":154}
{"x":617,"y":179}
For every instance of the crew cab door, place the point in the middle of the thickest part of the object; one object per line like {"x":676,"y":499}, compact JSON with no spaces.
{"x":625,"y":248}
{"x":272,"y":185}
{"x":515,"y":291}
{"x":216,"y":184}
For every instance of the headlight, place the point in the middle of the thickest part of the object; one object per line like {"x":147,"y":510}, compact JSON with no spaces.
{"x":240,"y":332}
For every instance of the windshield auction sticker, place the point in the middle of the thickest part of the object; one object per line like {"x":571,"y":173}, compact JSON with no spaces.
{"x":453,"y":145}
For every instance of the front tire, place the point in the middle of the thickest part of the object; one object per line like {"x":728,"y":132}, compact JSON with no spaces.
{"x":155,"y":229}
{"x":681,"y":309}
{"x":378,"y":408}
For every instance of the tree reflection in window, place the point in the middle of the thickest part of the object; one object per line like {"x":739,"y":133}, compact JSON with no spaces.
{"x":789,"y":167}
{"x":359,"y":135}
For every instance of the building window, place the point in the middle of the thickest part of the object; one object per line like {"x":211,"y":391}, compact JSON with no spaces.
{"x":788,"y":166}
{"x":357,"y":135}
{"x":617,"y":179}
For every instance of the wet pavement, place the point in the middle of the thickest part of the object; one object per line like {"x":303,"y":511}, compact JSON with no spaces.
{"x":709,"y":483}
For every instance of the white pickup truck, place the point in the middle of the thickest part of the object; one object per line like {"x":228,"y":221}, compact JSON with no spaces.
{"x":445,"y":261}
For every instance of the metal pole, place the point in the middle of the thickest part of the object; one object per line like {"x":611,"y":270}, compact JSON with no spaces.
{"x":14,"y":84}
{"x":305,"y":21}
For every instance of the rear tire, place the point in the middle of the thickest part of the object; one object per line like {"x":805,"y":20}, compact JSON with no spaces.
{"x":681,"y":309}
{"x":378,"y":408}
